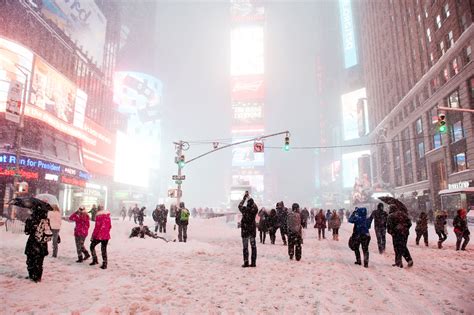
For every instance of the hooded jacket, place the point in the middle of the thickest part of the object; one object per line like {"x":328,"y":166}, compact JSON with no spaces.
{"x":103,"y":225}
{"x":460,"y":222}
{"x":294,"y":222}
{"x":398,"y":223}
{"x":360,"y":221}
{"x":380,"y":217}
{"x":81,"y":218}
{"x":248,"y":226}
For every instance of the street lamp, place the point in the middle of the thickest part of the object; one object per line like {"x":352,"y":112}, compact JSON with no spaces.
{"x":19,"y":129}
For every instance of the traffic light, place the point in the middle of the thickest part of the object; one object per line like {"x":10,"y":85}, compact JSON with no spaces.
{"x":287,"y":144}
{"x":442,"y":123}
{"x":181,"y":161}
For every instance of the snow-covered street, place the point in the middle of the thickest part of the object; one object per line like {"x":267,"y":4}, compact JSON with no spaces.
{"x":205,"y":276}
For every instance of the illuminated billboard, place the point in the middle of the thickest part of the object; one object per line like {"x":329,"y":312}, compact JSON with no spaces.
{"x":247,"y":87}
{"x":99,"y":156}
{"x":348,"y":34}
{"x":82,"y":21}
{"x":247,"y":10}
{"x":247,"y":50}
{"x":256,"y":181}
{"x":244,"y":156}
{"x":350,"y":167}
{"x":247,"y":112}
{"x":351,"y":114}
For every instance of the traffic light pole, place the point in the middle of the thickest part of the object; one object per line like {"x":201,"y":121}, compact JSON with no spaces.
{"x":464,"y":110}
{"x":179,"y":152}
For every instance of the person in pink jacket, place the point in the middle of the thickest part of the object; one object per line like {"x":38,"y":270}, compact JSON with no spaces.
{"x":101,"y":235}
{"x":81,"y":218}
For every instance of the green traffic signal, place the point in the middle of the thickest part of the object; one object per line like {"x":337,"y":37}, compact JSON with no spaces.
{"x":442,"y":128}
{"x":286,"y":147}
{"x":181,"y":164}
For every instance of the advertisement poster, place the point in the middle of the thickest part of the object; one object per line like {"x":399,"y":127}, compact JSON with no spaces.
{"x":247,"y":50}
{"x":247,"y":87}
{"x":13,"y":107}
{"x":247,"y":10}
{"x":350,"y":114}
{"x":247,"y":112}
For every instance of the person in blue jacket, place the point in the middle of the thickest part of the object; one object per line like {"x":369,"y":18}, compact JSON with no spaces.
{"x":361,"y":234}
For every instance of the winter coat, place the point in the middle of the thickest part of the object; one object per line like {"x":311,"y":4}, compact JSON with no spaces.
{"x":294,"y":223}
{"x":33,"y":247}
{"x":380,"y":218}
{"x":398,"y":223}
{"x":304,"y":215}
{"x":320,"y":221}
{"x":460,"y":223}
{"x":141,"y":214}
{"x":360,"y":221}
{"x":328,"y":215}
{"x":422,"y":223}
{"x":102,"y":226}
{"x":272,"y":221}
{"x":163,"y":215}
{"x":248,"y":226}
{"x":440,"y":221}
{"x":82,"y":223}
{"x":282,"y":214}
{"x":156,"y":215}
{"x":178,"y":217}
{"x":262,"y":223}
{"x":54,"y":219}
{"x":334,"y":221}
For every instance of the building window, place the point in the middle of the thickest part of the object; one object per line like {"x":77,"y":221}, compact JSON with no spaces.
{"x":431,"y":59}
{"x":450,"y":40}
{"x":442,"y":48}
{"x":438,"y":21}
{"x":437,"y":143}
{"x":48,"y":145}
{"x":419,"y":126}
{"x":460,"y":163}
{"x":428,"y":34}
{"x":446,"y":11}
{"x":467,"y":54}
{"x":457,"y":132}
{"x":454,"y":66}
{"x":421,"y":149}
{"x":463,"y":22}
{"x":471,"y":89}
{"x":453,"y":100}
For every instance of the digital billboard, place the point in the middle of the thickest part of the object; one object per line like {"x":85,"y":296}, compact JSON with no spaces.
{"x":247,"y":50}
{"x":82,"y":21}
{"x":247,"y":87}
{"x":247,"y":112}
{"x":247,"y":10}
{"x":350,"y":167}
{"x":256,"y":181}
{"x":348,"y":34}
{"x":351,"y":115}
{"x":99,"y":156}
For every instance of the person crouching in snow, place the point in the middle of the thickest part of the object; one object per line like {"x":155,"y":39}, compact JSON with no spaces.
{"x":295,"y":232}
{"x":248,"y":229}
{"x":101,"y":235}
{"x":81,"y":218}
{"x":361,"y":234}
{"x":141,"y":231}
{"x":461,"y":229}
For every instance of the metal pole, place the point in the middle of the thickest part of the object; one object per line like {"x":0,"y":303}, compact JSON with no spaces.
{"x":179,"y":153}
{"x":464,"y":110}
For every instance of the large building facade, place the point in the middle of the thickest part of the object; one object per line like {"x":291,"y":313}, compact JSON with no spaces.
{"x":417,"y":56}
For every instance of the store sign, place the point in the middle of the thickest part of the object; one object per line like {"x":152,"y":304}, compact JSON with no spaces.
{"x":459,"y":185}
{"x":248,"y":87}
{"x":72,"y":181}
{"x":23,"y":173}
{"x":348,"y":37}
{"x":51,"y":177}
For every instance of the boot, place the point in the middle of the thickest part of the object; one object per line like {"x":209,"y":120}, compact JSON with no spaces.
{"x":86,"y":255}
{"x":245,"y":265}
{"x":94,"y":261}
{"x":410,"y":263}
{"x":79,"y":260}
{"x":440,"y":244}
{"x":253,"y":264}
{"x":104,"y":265}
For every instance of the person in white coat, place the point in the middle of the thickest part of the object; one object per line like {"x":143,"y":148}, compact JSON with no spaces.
{"x":55,"y":223}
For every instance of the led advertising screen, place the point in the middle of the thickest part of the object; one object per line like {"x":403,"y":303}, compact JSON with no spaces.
{"x":99,"y":155}
{"x":247,"y":87}
{"x":138,"y":93}
{"x":350,"y":116}
{"x":244,"y":156}
{"x":247,"y":112}
{"x":348,"y":37}
{"x":350,"y":167}
{"x":256,"y":181}
{"x":82,"y":21}
{"x":247,"y":10}
{"x":247,"y":50}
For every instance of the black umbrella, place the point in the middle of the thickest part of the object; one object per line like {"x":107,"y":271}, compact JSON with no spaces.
{"x":394,"y":202}
{"x":26,"y":206}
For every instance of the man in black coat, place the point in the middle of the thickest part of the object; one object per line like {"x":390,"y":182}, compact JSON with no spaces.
{"x":248,"y":230}
{"x":282,"y":214}
{"x":156,"y":217}
{"x":36,"y":250}
{"x":379,"y":218}
{"x":163,"y":218}
{"x":398,"y":225}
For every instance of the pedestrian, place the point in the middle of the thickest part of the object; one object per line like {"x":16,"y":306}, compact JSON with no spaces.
{"x":130,"y":213}
{"x":248,"y":229}
{"x":461,"y":229}
{"x":272,"y":224}
{"x":182,"y":220}
{"x":305,"y":217}
{"x":312,"y":215}
{"x":328,"y":216}
{"x":141,"y":231}
{"x":422,"y":228}
{"x":156,"y":217}
{"x":398,"y":225}
{"x":55,"y":223}
{"x":361,"y":234}
{"x":39,"y":231}
{"x":81,"y":219}
{"x":295,"y":232}
{"x":440,"y":227}
{"x":379,"y":217}
{"x":141,"y":215}
{"x":135,"y":211}
{"x":262,"y":225}
{"x":163,"y":218}
{"x":282,"y":214}
{"x":341,"y":215}
{"x":93,"y":212}
{"x":101,"y":235}
{"x":123,"y":213}
{"x":335,"y":224}
{"x":320,"y":224}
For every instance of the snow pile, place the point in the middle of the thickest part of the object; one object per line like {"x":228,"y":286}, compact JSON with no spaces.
{"x":204,"y":276}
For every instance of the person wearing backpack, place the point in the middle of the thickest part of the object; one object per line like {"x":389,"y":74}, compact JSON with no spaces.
{"x":182,"y":220}
{"x":39,"y":231}
{"x":101,"y":235}
{"x":81,"y":218}
{"x":398,"y":225}
{"x":295,"y":232}
{"x":55,"y":223}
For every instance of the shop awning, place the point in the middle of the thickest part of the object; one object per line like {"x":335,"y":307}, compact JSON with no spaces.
{"x":458,"y":190}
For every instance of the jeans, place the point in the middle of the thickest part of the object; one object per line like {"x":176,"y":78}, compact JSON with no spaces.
{"x":294,"y":245}
{"x":103,"y":249}
{"x":419,"y":235}
{"x":80,"y":248}
{"x":459,"y":237}
{"x":55,"y":242}
{"x":442,"y":236}
{"x":283,"y":232}
{"x":163,"y":227}
{"x":253,"y":245}
{"x":321,"y":230}
{"x":263,"y":235}
{"x":380,"y":234}
{"x":363,"y":240}
{"x":272,"y":232}
{"x":401,"y":250}
{"x":182,"y":232}
{"x":335,"y":231}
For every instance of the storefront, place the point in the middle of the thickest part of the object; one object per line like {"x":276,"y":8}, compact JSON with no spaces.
{"x":458,"y":195}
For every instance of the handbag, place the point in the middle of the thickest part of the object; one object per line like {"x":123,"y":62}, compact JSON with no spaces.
{"x":352,"y":242}
{"x":59,"y":239}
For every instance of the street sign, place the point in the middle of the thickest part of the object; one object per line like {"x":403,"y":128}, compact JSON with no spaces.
{"x":178,"y":182}
{"x":178,"y":177}
{"x":258,"y":147}
{"x":13,"y":109}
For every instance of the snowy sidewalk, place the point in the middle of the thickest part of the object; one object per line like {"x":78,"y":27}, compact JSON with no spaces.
{"x":204,"y":276}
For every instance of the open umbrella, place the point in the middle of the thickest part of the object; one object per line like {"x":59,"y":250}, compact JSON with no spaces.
{"x":394,"y":202}
{"x":48,"y":198}
{"x":25,"y":206}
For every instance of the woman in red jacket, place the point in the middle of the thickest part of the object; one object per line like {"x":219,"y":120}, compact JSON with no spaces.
{"x":80,"y":232}
{"x":101,"y":235}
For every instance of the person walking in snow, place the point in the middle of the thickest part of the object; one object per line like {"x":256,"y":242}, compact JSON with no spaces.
{"x":156,"y":217}
{"x":262,"y":225}
{"x":328,"y":216}
{"x":272,"y":224}
{"x":440,"y":227}
{"x":55,"y":223}
{"x":312,"y":215}
{"x":335,"y":224}
{"x":163,"y":218}
{"x":135,"y":211}
{"x":93,"y":212}
{"x":141,"y":215}
{"x":379,"y":218}
{"x":81,"y":219}
{"x":282,"y":214}
{"x":320,"y":224}
{"x":182,"y":221}
{"x":422,"y":228}
{"x":248,"y":230}
{"x":295,"y":232}
{"x":461,"y":229}
{"x":361,"y":234}
{"x":101,"y":235}
{"x":123,"y":213}
{"x":398,"y":225}
{"x":341,"y":215}
{"x":305,"y":217}
{"x":130,"y":213}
